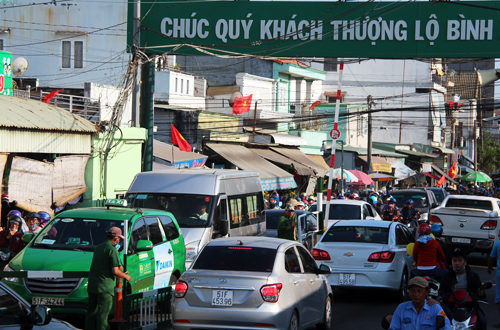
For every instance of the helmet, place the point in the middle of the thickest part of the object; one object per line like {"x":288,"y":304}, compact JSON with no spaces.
{"x":424,"y":229}
{"x":437,"y":230}
{"x":298,"y":199}
{"x":45,"y":217}
{"x":16,"y":219}
{"x":390,"y":207}
{"x":392,"y":200}
{"x":34,"y":215}
{"x":311,"y":198}
{"x":410,"y":201}
{"x":372,"y":200}
{"x":14,"y":213}
{"x":355,"y":195}
{"x":341,"y":197}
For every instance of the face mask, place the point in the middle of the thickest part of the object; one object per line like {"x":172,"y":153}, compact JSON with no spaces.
{"x":33,"y":227}
{"x":459,"y":270}
{"x":117,"y":246}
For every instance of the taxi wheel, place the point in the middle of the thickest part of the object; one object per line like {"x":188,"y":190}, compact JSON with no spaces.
{"x":294,"y":321}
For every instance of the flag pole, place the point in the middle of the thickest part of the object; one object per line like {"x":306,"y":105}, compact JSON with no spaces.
{"x":254,"y":121}
{"x":173,"y":159}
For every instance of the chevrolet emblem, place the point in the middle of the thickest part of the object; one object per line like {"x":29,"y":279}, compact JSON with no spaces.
{"x":348,"y":254}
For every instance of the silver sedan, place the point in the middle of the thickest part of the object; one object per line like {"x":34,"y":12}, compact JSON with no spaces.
{"x":253,"y":283}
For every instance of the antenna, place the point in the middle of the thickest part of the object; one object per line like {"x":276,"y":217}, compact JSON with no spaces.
{"x":19,"y":66}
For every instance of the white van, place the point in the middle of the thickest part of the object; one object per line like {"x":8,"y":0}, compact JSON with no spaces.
{"x":207,"y":203}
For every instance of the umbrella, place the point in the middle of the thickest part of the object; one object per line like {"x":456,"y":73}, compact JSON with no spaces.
{"x":348,"y":176}
{"x":476,"y":176}
{"x":362,"y":177}
{"x":381,"y":177}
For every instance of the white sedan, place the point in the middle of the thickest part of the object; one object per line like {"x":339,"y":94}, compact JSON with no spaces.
{"x":344,"y":209}
{"x":365,"y":253}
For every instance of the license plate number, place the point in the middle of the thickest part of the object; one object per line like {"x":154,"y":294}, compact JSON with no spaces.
{"x":47,"y":301}
{"x":222,"y":298}
{"x":347,"y":279}
{"x":460,"y":240}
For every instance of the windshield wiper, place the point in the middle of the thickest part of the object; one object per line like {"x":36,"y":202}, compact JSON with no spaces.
{"x":45,"y":246}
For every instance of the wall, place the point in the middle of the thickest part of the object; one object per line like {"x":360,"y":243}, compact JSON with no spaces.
{"x":107,"y":96}
{"x":178,"y":88}
{"x":37,"y":32}
{"x":119,"y":177}
{"x":314,"y":140}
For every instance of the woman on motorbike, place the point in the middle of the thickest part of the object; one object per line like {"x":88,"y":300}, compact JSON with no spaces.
{"x":426,"y":253}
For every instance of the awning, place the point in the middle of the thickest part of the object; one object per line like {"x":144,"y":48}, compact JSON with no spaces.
{"x":437,"y":169}
{"x":279,"y":158}
{"x":379,"y":164}
{"x":432,"y":176}
{"x":401,"y":170}
{"x":271,"y":176}
{"x":181,"y":159}
{"x":301,"y":157}
{"x":320,"y":160}
{"x":445,"y":150}
{"x":417,"y":153}
{"x":288,"y":140}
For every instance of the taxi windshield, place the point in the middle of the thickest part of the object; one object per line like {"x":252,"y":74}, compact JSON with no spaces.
{"x":189,"y":210}
{"x":75,"y":234}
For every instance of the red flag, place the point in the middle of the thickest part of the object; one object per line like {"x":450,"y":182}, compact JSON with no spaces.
{"x":441,"y":181}
{"x":178,"y":140}
{"x":452,"y":173}
{"x":48,"y":97}
{"x":242,"y":104}
{"x":315,"y":104}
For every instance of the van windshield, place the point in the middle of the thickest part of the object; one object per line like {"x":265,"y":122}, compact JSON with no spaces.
{"x":75,"y":234}
{"x":189,"y":210}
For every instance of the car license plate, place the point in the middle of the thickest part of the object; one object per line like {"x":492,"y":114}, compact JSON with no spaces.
{"x":222,"y":298}
{"x":47,"y":301}
{"x":347,"y":279}
{"x":460,"y":240}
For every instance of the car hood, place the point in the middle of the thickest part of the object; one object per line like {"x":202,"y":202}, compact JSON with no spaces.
{"x":192,"y":234}
{"x":56,"y":324}
{"x":46,"y":259}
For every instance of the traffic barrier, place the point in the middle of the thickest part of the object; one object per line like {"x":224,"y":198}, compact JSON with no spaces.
{"x":147,"y":310}
{"x":118,"y":300}
{"x":51,"y":274}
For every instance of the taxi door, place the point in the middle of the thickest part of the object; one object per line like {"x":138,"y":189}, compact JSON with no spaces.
{"x":140,"y":264}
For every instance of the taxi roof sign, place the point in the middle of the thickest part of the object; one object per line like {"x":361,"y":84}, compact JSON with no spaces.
{"x":116,"y":202}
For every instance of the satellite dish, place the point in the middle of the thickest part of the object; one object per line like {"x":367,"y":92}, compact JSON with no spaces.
{"x":19,"y":66}
{"x":234,"y":97}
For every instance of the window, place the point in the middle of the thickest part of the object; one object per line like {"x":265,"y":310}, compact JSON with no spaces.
{"x":253,"y":208}
{"x":235,"y":204}
{"x":11,"y":310}
{"x":155,"y":235}
{"x":182,"y":85}
{"x":330,"y":64}
{"x":239,"y":258}
{"x":366,"y":213}
{"x":219,"y":213}
{"x":187,"y":86}
{"x":78,"y":54}
{"x":176,"y":83}
{"x":340,"y":211}
{"x":308,"y":262}
{"x":357,"y":234}
{"x":1,"y":44}
{"x":292,"y":264}
{"x":470,"y":204}
{"x":401,"y":238}
{"x":169,"y":228}
{"x":409,"y":236}
{"x":66,"y":54}
{"x":139,"y":232}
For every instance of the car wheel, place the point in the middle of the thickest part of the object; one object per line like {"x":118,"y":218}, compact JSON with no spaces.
{"x":294,"y":321}
{"x":403,"y":287}
{"x":327,"y":318}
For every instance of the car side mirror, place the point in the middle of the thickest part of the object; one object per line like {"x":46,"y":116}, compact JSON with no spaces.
{"x":27,"y":238}
{"x":223,"y":226}
{"x":325,"y":269}
{"x":487,"y":285}
{"x":434,"y":205}
{"x":40,"y":315}
{"x":144,"y":245}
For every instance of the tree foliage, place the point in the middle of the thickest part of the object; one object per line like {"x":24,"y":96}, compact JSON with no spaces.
{"x":489,"y":154}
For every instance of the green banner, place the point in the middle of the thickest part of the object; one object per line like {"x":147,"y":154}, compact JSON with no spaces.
{"x":422,"y":29}
{"x":6,"y":73}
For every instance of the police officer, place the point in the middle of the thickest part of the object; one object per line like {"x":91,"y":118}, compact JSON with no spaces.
{"x":103,"y":269}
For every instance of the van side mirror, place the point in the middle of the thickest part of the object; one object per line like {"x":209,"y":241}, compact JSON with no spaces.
{"x":223,"y":226}
{"x":144,"y":245}
{"x":40,"y":315}
{"x":27,"y":238}
{"x":434,"y":205}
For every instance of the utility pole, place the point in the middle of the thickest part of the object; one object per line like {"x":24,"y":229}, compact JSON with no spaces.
{"x":369,"y":153}
{"x":136,"y":92}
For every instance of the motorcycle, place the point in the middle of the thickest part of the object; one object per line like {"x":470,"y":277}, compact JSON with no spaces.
{"x":462,"y":307}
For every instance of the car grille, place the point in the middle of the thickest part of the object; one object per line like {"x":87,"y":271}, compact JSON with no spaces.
{"x":57,"y":286}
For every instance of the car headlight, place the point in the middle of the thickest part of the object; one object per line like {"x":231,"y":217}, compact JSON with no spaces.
{"x":10,"y":279}
{"x":192,"y":250}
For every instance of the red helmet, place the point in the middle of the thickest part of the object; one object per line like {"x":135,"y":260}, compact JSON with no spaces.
{"x":424,"y":229}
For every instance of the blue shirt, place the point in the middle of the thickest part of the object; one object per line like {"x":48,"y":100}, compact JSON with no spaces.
{"x":406,"y":318}
{"x":495,"y":253}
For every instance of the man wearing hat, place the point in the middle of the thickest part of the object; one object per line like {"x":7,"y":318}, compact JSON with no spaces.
{"x":287,"y":226}
{"x":416,"y":314}
{"x":103,"y":270}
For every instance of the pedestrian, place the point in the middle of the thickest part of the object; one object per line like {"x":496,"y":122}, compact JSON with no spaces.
{"x":103,"y":270}
{"x":416,"y":314}
{"x":287,"y":226}
{"x":495,"y":254}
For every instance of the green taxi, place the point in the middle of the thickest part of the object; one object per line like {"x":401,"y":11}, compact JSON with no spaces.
{"x":155,"y":253}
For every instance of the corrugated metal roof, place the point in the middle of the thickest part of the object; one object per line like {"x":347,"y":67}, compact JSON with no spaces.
{"x":416,"y":153}
{"x":278,"y":158}
{"x":36,"y":115}
{"x":300,"y":157}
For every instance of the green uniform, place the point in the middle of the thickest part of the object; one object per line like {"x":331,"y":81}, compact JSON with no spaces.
{"x":283,"y":224}
{"x":101,"y":286}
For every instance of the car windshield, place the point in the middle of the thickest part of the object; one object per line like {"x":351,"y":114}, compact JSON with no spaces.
{"x":419,"y":199}
{"x":236,"y":258}
{"x":189,"y":210}
{"x":272,"y":219}
{"x":470,"y":204}
{"x":75,"y":234}
{"x":439,"y":195}
{"x":341,"y":211}
{"x":357,"y":234}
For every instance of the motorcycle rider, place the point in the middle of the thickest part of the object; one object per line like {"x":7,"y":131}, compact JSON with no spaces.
{"x":463,"y":278}
{"x":390,"y":214}
{"x":437,"y":231}
{"x":409,"y":214}
{"x":425,"y":253}
{"x":44,"y":218}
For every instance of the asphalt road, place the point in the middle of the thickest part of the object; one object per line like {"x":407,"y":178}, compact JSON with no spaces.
{"x":364,"y":308}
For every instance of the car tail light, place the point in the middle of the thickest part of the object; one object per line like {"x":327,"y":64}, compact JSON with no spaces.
{"x":433,"y":220}
{"x":271,"y":292}
{"x":180,"y":289}
{"x":489,"y":225}
{"x":382,"y":256}
{"x":320,"y":254}
{"x":181,"y":321}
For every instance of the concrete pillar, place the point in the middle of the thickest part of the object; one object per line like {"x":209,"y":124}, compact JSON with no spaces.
{"x":309,"y":92}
